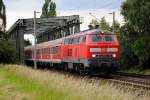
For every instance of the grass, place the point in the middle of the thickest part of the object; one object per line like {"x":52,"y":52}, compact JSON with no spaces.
{"x":22,"y":83}
{"x":138,"y":71}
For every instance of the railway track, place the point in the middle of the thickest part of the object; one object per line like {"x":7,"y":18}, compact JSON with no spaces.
{"x":135,"y":80}
{"x":128,"y":79}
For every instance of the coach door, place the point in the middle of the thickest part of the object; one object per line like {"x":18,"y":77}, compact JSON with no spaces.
{"x":82,"y":49}
{"x":75,"y":49}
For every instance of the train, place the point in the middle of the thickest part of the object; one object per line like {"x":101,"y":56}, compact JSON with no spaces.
{"x":92,"y":51}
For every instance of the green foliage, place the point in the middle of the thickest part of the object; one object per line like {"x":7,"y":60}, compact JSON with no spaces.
{"x":3,"y":36}
{"x":137,"y":25}
{"x":94,"y":22}
{"x":46,"y":85}
{"x":2,"y":15}
{"x":7,"y":52}
{"x":128,"y":58}
{"x":137,"y":15}
{"x":117,"y":28}
{"x":52,"y":10}
{"x":48,"y":9}
{"x":141,"y":48}
{"x":103,"y":24}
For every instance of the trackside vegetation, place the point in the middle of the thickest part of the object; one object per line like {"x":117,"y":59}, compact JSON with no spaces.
{"x":136,"y":41}
{"x":22,"y":83}
{"x":137,"y":71}
{"x":7,"y":52}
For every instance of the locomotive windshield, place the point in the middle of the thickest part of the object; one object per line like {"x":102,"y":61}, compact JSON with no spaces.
{"x":110,"y":38}
{"x":104,"y":38}
{"x":96,"y":38}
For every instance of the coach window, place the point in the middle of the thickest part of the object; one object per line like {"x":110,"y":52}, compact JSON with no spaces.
{"x":49,"y":50}
{"x":44,"y":50}
{"x":66,"y":41}
{"x":84,"y":39}
{"x":54,"y":50}
{"x":38,"y":51}
{"x":76,"y":40}
{"x":32,"y":53}
{"x":70,"y":41}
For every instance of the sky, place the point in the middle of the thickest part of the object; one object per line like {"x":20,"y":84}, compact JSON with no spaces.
{"x":21,"y":9}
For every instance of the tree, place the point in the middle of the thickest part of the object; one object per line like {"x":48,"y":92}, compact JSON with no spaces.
{"x":3,"y":36}
{"x":103,"y":24}
{"x":117,"y":28}
{"x":7,"y":52}
{"x":94,"y":22}
{"x":137,"y":14}
{"x":137,"y":25}
{"x":2,"y":16}
{"x":52,"y":10}
{"x":48,"y":9}
{"x":7,"y":49}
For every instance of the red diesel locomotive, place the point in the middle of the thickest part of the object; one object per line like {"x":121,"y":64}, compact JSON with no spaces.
{"x":94,"y":51}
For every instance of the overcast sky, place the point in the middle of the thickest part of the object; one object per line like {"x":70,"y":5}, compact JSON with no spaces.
{"x":20,"y":9}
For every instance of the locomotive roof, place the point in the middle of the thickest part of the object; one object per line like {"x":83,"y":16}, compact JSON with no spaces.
{"x":93,"y":31}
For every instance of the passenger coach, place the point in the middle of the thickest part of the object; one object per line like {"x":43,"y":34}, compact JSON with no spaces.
{"x":93,"y":51}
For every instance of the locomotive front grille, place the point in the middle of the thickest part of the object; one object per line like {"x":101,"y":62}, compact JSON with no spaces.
{"x":101,"y":60}
{"x":104,"y":56}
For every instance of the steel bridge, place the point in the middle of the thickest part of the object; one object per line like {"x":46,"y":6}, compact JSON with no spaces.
{"x":47,"y":29}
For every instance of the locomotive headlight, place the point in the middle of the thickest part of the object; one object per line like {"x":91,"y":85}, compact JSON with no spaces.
{"x":93,"y":55}
{"x":112,"y":49}
{"x":95,"y":49}
{"x":114,"y":55}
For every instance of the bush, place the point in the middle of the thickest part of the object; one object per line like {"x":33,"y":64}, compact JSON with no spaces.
{"x":128,"y":58}
{"x":141,"y":48}
{"x":7,"y":52}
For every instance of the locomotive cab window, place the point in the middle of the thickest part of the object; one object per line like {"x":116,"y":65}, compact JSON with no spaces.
{"x":110,"y":38}
{"x":96,"y":38}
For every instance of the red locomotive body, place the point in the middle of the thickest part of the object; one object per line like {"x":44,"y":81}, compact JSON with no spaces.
{"x":90,"y":51}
